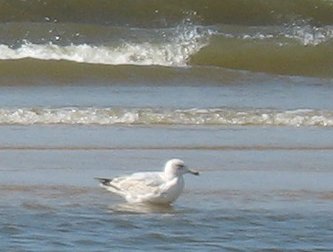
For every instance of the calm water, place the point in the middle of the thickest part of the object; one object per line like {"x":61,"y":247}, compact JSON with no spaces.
{"x":110,"y":88}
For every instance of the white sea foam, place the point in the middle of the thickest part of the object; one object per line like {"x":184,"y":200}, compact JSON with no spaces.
{"x":173,"y":51}
{"x":149,"y":116}
{"x":310,"y":35}
{"x":303,"y":33}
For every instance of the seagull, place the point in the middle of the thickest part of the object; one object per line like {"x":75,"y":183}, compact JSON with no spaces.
{"x":150,"y":187}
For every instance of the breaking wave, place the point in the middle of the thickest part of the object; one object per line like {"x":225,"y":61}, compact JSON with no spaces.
{"x":281,"y":37}
{"x":171,"y":48}
{"x":150,"y":116}
{"x":299,"y":49}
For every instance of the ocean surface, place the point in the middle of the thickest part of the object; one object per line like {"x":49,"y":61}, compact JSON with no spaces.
{"x":240,"y":90}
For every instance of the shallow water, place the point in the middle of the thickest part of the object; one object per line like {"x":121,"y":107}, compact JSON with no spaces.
{"x":96,"y":226}
{"x":259,"y":189}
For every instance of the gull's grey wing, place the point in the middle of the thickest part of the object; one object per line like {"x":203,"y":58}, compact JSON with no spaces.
{"x":138,"y":183}
{"x":135,"y":184}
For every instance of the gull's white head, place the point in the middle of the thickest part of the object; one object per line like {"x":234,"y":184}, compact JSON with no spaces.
{"x":176,"y":167}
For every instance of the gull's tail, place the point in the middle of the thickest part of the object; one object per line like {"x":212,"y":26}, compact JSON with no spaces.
{"x":108,"y":185}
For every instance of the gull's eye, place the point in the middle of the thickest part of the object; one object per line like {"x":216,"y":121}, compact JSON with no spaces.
{"x":181,"y":166}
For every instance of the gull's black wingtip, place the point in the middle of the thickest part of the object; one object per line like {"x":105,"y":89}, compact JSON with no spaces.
{"x":104,"y":181}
